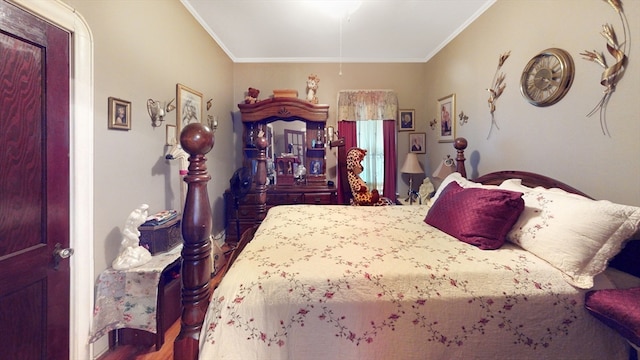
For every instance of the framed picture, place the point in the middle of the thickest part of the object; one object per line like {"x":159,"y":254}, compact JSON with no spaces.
{"x":170,"y":138}
{"x":119,"y":114}
{"x":407,"y":120}
{"x":417,"y":143}
{"x":316,"y":167}
{"x":446,"y":112}
{"x":189,"y":107}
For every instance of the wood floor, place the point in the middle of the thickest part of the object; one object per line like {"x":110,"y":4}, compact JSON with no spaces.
{"x":131,"y":352}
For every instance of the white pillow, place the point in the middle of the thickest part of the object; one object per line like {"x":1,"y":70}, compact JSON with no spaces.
{"x":462,"y":181}
{"x":575,"y":234}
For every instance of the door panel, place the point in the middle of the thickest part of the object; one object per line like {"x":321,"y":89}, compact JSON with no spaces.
{"x":34,"y":186}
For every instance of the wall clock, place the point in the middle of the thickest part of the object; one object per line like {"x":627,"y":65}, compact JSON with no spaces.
{"x":547,"y":77}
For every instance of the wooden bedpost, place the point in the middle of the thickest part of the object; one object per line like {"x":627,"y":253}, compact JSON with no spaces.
{"x":460,"y":144}
{"x":197,"y":140}
{"x":261,"y":178}
{"x":344,"y":187}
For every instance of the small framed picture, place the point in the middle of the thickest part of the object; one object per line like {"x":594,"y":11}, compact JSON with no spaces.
{"x":189,"y":107}
{"x":119,"y":114}
{"x":417,"y":143}
{"x":316,"y":167}
{"x":447,"y":125}
{"x":170,"y":138}
{"x":406,"y":120}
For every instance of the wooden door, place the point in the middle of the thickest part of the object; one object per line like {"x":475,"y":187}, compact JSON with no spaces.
{"x":34,"y":186}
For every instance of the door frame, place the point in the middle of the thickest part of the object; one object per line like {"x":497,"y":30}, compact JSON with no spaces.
{"x":80,"y":167}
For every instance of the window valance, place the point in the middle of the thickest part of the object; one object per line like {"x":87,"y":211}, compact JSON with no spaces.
{"x":367,"y":105}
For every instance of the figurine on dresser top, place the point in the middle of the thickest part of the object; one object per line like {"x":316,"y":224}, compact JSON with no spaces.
{"x":131,"y":254}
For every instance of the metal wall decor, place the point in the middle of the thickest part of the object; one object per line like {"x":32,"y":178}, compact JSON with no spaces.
{"x":611,"y":74}
{"x":496,"y":90}
{"x":462,"y":118}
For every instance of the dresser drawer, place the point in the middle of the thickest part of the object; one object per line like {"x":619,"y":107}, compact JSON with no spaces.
{"x":318,"y":199}
{"x":244,"y":212}
{"x":285,"y":199}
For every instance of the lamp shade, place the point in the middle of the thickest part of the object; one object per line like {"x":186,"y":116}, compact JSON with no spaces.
{"x":411,"y":165}
{"x":445,"y":168}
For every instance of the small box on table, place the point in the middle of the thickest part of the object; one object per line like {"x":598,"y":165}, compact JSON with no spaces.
{"x":161,"y":238}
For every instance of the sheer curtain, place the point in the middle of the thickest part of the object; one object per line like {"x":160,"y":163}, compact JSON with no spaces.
{"x":370,"y":137}
{"x":361,"y":106}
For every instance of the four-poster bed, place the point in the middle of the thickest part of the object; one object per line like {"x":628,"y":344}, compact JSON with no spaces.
{"x":366,"y":282}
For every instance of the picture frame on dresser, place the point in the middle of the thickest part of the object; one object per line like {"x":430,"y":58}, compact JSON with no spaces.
{"x":189,"y":107}
{"x":316,"y":167}
{"x":446,"y":111}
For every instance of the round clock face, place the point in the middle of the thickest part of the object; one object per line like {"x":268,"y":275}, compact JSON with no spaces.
{"x":547,"y":77}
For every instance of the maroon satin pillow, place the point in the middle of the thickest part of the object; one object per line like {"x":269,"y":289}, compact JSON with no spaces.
{"x":617,"y":308}
{"x":477,"y":216}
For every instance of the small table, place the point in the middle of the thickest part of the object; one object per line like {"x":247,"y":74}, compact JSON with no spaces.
{"x":130,"y":298}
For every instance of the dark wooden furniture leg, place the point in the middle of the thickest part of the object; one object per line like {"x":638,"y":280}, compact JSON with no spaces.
{"x":197,"y":140}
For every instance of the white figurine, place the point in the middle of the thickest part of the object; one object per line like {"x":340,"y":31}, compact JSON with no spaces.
{"x":131,"y":253}
{"x":426,"y":191}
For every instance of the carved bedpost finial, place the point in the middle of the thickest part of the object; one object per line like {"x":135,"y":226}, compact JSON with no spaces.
{"x":197,"y":140}
{"x":261,"y":177}
{"x":460,"y":144}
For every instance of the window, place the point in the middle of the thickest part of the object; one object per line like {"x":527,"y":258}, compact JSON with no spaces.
{"x":370,"y":137}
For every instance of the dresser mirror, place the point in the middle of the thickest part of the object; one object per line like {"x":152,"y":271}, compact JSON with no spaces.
{"x":295,"y":131}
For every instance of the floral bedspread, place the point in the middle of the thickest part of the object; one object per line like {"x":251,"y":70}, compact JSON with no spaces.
{"x":342,"y":282}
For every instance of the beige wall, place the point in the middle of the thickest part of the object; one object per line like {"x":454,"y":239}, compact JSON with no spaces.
{"x":141,"y":50}
{"x":559,"y":141}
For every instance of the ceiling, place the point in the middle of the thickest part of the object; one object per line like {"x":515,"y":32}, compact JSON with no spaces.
{"x":251,"y":31}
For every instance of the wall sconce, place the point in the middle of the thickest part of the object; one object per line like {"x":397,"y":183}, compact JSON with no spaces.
{"x":212,"y":121}
{"x":433,"y":123}
{"x":463,"y":118}
{"x":330,"y":131}
{"x":157,"y":110}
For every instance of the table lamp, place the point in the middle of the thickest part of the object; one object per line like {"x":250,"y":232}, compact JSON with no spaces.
{"x":445,"y":168}
{"x":411,"y":166}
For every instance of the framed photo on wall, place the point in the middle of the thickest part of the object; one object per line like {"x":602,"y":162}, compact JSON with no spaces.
{"x":417,"y":143}
{"x":406,"y":120}
{"x":119,"y":114}
{"x":189,"y":107}
{"x":171,"y":135}
{"x":446,"y":123}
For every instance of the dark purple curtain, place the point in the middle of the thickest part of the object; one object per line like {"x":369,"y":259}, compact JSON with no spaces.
{"x":390,"y":163}
{"x":348,"y":131}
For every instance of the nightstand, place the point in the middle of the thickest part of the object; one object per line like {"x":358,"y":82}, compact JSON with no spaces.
{"x":136,"y":306}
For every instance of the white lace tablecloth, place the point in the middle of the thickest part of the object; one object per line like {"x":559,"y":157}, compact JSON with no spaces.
{"x":128,"y":298}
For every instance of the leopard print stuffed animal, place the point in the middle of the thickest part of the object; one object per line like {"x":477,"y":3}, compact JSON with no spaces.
{"x":359,"y":189}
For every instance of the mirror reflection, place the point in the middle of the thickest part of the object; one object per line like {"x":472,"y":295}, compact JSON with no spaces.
{"x":287,"y":139}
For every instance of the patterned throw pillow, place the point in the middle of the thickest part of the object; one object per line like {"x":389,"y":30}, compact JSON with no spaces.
{"x":477,"y":216}
{"x":575,"y":234}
